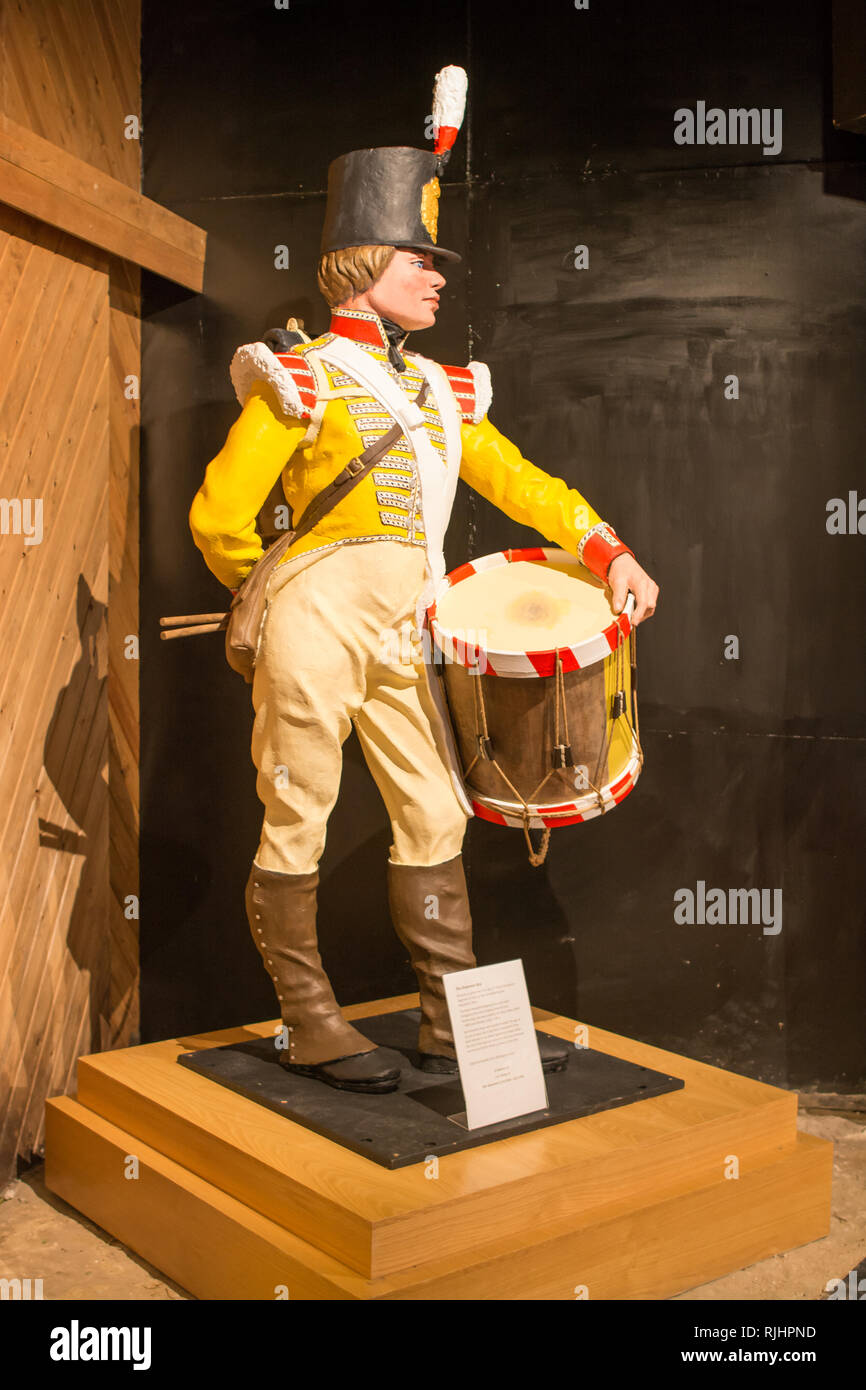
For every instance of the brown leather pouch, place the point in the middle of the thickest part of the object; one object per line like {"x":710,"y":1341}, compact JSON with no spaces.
{"x":246,"y":615}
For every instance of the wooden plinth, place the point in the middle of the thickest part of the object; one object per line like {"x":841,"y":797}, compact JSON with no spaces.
{"x":233,"y":1201}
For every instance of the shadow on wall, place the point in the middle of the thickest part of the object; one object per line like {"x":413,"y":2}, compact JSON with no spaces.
{"x":78,"y":722}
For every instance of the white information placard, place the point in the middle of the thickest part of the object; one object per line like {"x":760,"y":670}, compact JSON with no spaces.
{"x":496,"y":1044}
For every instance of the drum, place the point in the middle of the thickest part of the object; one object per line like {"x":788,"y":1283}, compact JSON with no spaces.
{"x":539,"y":678}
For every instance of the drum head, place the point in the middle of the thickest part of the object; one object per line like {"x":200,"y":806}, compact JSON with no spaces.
{"x":527,"y":606}
{"x":520,"y":608}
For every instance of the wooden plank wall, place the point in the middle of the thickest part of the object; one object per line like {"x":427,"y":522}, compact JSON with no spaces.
{"x":69,"y":421}
{"x":71,"y":73}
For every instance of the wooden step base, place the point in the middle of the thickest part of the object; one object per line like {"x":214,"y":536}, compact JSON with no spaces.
{"x":232,"y":1201}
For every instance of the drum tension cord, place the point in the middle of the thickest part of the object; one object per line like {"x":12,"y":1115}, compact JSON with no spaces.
{"x":562,"y":754}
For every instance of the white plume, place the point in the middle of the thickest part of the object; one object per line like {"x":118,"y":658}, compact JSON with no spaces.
{"x":449,"y":97}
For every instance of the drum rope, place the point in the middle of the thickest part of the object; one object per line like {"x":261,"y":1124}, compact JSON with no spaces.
{"x":482,"y":737}
{"x":608,"y":727}
{"x":536,"y":858}
{"x":483,"y":741}
{"x":631,"y":717}
{"x":635,"y":726}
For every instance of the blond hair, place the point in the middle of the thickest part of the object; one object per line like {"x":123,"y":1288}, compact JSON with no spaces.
{"x":350,"y":271}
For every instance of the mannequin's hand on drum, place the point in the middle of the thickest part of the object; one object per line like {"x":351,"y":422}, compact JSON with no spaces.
{"x":625,"y":573}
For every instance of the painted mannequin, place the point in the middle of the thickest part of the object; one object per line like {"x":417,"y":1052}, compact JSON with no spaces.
{"x":364,"y":574}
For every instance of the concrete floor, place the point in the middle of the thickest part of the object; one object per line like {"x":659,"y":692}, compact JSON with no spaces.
{"x":42,"y":1236}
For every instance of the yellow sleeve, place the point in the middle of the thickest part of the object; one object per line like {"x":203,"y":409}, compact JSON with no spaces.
{"x":237,"y":482}
{"x":495,"y":467}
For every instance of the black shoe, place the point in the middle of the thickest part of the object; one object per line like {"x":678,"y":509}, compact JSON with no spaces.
{"x":554,"y":1057}
{"x":366,"y":1072}
{"x":430,"y":1061}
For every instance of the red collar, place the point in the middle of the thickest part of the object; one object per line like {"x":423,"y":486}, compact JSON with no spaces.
{"x":363,"y":325}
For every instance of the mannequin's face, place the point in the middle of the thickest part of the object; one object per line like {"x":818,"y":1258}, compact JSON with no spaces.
{"x":407,"y":291}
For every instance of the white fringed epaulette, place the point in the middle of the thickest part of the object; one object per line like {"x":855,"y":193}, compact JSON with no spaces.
{"x":287,"y":373}
{"x":473,"y":390}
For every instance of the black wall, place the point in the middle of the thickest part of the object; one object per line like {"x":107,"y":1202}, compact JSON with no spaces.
{"x":704,"y":261}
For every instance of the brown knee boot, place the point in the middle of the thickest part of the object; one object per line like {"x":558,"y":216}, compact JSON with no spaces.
{"x":430,"y":912}
{"x":282,"y":914}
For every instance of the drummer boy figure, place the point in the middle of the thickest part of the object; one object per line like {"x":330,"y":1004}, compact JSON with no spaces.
{"x":367,"y":569}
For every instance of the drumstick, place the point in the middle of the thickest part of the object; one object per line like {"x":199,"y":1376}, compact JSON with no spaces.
{"x":167,"y":635}
{"x":185,"y":618}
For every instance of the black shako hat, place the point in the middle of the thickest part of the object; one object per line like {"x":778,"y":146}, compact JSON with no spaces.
{"x":390,"y":196}
{"x":384,"y":197}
